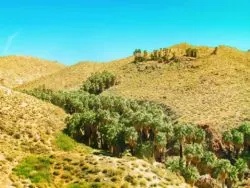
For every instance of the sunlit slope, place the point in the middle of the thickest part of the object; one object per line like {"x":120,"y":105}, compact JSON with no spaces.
{"x":34,"y":152}
{"x":27,"y":125}
{"x":16,"y":70}
{"x":211,"y":89}
{"x":73,"y":76}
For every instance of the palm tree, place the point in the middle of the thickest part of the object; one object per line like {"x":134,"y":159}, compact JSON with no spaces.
{"x":103,"y":118}
{"x":180,"y":134}
{"x":137,"y":119}
{"x":194,"y":53}
{"x":145,"y":55}
{"x":190,"y":129}
{"x":193,"y":153}
{"x":245,"y":129}
{"x":160,"y":144}
{"x":137,"y":55}
{"x":89,"y":125}
{"x":227,"y":138}
{"x":238,"y":141}
{"x":222,"y":170}
{"x":232,"y":177}
{"x":191,"y":175}
{"x":131,"y":137}
{"x":208,"y":162}
{"x":111,"y":132}
{"x":147,"y":123}
{"x":189,"y":52}
{"x":199,"y":135}
{"x":242,"y":168}
{"x":155,"y":54}
{"x":74,"y":125}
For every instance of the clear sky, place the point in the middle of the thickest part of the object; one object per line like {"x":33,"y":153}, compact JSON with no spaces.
{"x":101,"y":30}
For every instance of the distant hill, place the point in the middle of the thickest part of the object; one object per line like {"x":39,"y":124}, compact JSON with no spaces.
{"x":17,"y":70}
{"x":210,"y":89}
{"x":73,"y":76}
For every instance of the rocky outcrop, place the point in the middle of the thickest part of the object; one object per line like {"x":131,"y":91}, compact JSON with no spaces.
{"x":206,"y":181}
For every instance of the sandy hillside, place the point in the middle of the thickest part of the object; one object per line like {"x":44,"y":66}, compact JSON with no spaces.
{"x":35,"y":153}
{"x":17,"y":70}
{"x":211,"y":89}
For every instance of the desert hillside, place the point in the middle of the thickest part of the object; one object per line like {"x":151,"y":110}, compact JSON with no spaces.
{"x":17,"y":70}
{"x":35,"y":153}
{"x":72,"y":77}
{"x":209,"y":89}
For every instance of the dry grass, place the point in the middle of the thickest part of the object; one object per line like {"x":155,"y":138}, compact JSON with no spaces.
{"x":72,"y":77}
{"x":16,"y":70}
{"x":213,"y":89}
{"x":68,"y":169}
{"x":35,"y":153}
{"x":27,"y":125}
{"x":210,"y":90}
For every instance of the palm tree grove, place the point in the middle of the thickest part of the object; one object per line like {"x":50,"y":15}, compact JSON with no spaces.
{"x":124,"y":94}
{"x":148,"y":130}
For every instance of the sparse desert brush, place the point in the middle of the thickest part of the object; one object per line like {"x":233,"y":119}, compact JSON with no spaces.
{"x":201,"y":90}
{"x":113,"y":172}
{"x":131,"y":179}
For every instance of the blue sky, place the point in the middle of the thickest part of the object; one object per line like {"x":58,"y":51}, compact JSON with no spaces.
{"x":102,"y":30}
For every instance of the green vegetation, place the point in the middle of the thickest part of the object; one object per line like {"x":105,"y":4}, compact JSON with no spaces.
{"x":36,"y":168}
{"x":237,"y":140}
{"x":64,"y":142}
{"x":89,"y":185}
{"x":99,"y":82}
{"x":192,"y":52}
{"x":162,"y":55}
{"x":113,"y":123}
{"x":146,"y":129}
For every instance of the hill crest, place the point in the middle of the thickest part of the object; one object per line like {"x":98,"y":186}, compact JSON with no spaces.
{"x":16,"y":70}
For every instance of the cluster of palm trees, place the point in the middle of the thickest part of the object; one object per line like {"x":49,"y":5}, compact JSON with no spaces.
{"x":163,"y":55}
{"x":98,"y":82}
{"x":237,"y":140}
{"x":113,"y":123}
{"x":198,"y":162}
{"x":143,"y":128}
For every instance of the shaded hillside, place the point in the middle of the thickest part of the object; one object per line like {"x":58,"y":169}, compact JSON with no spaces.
{"x":16,"y":70}
{"x":72,"y":77}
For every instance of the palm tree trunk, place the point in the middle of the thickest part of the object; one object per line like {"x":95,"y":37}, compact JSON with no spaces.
{"x":237,"y":153}
{"x":181,"y":150}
